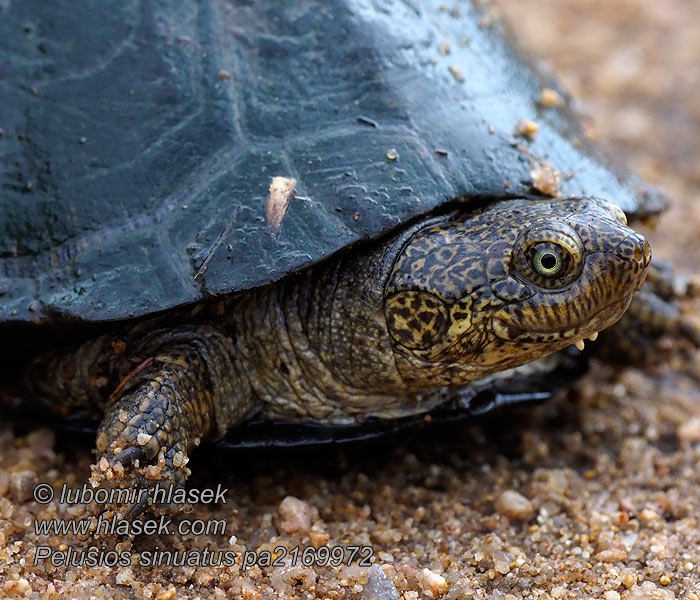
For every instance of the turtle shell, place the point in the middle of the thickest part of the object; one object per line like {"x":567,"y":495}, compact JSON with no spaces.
{"x":140,"y":138}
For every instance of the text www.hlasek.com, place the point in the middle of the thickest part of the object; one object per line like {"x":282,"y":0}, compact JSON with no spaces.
{"x":115,"y":526}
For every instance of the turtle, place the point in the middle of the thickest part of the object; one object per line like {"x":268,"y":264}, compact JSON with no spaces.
{"x":217,"y":210}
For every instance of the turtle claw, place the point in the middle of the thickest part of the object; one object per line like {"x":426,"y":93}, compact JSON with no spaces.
{"x":139,"y":506}
{"x":144,"y":476}
{"x":129,"y":456}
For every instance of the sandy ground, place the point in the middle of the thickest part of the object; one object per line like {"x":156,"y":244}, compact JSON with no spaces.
{"x":594,"y":495}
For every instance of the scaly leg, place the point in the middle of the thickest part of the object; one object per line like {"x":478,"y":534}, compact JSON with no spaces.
{"x":169,"y":389}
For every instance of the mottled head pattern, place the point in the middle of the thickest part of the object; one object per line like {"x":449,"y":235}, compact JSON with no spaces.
{"x":517,"y":280}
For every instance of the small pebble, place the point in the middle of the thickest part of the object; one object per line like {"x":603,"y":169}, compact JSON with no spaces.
{"x":379,"y":586}
{"x":648,"y":515}
{"x":550,"y":98}
{"x":168,"y":594}
{"x":22,"y":485}
{"x":514,"y":505}
{"x":295,"y":516}
{"x":125,"y":576}
{"x":689,"y":432}
{"x":143,"y":438}
{"x":4,"y":483}
{"x":318,"y":538}
{"x":526,"y":128}
{"x":17,"y":587}
{"x":611,"y":555}
{"x":502,"y":561}
{"x":432,"y":582}
{"x":291,"y":578}
{"x":649,"y":591}
{"x":457,"y":73}
{"x":204,"y":577}
{"x":444,"y":48}
{"x":545,"y":179}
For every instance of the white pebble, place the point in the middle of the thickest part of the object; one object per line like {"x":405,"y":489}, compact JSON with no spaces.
{"x":514,"y":505}
{"x":143,"y":438}
{"x":433,"y":582}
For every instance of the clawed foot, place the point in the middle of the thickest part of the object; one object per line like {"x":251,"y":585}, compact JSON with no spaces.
{"x":145,"y":439}
{"x":131,"y":468}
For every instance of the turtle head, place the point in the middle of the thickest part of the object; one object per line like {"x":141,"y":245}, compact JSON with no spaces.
{"x":484,"y":291}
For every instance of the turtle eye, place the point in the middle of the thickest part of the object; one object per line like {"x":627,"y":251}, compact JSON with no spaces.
{"x":547,"y":260}
{"x":548,"y":254}
{"x":548,"y":264}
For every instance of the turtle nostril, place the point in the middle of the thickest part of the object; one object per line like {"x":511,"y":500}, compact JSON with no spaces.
{"x":635,"y":249}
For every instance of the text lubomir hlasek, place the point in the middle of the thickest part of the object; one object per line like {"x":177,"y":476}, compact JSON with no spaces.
{"x":169,"y":494}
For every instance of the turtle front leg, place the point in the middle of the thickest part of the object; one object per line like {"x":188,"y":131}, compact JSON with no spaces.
{"x":161,"y":392}
{"x":153,"y":425}
{"x":186,"y":388}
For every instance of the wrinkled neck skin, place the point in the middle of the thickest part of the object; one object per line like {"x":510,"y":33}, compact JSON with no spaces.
{"x":316,"y":346}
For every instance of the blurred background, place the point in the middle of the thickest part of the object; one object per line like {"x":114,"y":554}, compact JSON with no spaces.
{"x":634,"y":67}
